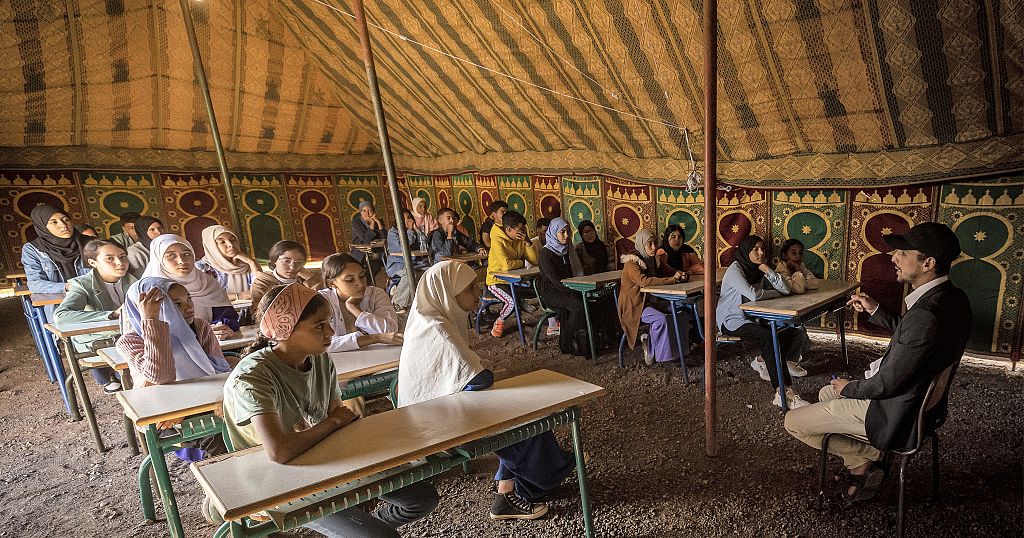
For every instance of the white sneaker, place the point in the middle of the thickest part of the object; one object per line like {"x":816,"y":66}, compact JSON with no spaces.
{"x":795,"y":370}
{"x":793,"y":400}
{"x":555,"y":330}
{"x":759,"y":366}
{"x":648,"y":356}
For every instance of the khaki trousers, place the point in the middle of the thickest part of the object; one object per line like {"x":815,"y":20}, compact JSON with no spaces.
{"x":834,"y":414}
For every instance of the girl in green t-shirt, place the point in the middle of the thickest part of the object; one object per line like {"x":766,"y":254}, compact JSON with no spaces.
{"x":285,"y":396}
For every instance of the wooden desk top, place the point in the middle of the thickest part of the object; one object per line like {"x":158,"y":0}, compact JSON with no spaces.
{"x":43,"y":299}
{"x":313,"y":264}
{"x":414,"y":254}
{"x":67,"y":330}
{"x":516,"y":275}
{"x":378,"y":244}
{"x":144,"y":405}
{"x":694,"y":286}
{"x":6,"y":292}
{"x":248,"y":335}
{"x":22,"y":290}
{"x":241,"y":303}
{"x":596,"y":279}
{"x":16,"y":276}
{"x":246,"y":482}
{"x":467,"y":257}
{"x":366,"y":361}
{"x":796,"y":306}
{"x":157,"y":403}
{"x":113,"y":358}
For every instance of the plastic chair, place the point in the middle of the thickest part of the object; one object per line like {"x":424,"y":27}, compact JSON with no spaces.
{"x":931,"y":415}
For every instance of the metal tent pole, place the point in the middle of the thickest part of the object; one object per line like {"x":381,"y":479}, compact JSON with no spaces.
{"x":382,"y":130}
{"x":197,"y":60}
{"x":710,"y":223}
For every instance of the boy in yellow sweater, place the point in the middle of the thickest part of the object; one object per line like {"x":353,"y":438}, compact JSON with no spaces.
{"x":510,"y":249}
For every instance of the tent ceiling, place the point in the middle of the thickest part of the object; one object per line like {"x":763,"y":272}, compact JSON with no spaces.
{"x":854,"y":92}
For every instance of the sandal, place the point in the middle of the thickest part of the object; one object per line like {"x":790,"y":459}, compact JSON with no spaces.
{"x":866,"y":485}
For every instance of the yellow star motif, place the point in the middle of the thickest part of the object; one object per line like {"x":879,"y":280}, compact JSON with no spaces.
{"x":625,"y":222}
{"x":886,"y":231}
{"x":260,"y":201}
{"x":196,"y":203}
{"x":124,"y":205}
{"x":580,"y":215}
{"x":979,"y":236}
{"x":735,"y":228}
{"x":806,"y":229}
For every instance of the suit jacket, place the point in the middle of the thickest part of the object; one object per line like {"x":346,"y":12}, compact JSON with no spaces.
{"x":930,"y":337}
{"x":87,"y":300}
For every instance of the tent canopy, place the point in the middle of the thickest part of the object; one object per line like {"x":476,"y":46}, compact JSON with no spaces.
{"x":857,"y":93}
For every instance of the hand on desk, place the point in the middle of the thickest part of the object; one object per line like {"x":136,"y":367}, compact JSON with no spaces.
{"x":391,"y":339}
{"x":223,"y":332}
{"x":341,"y":416}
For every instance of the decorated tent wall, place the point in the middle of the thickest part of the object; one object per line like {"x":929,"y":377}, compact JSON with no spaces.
{"x":843,"y":230}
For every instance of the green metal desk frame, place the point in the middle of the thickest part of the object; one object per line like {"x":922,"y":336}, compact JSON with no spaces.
{"x":200,"y":426}
{"x":592,"y":292}
{"x":298,"y":513}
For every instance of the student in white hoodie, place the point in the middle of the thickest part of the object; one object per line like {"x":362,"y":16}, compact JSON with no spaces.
{"x":362,"y":314}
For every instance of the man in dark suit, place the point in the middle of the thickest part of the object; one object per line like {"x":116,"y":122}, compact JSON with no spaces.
{"x":930,"y":337}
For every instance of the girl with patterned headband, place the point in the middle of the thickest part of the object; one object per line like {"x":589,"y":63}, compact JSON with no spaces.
{"x":284,"y":395}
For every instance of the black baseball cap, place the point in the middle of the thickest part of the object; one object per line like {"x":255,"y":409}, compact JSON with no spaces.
{"x":929,"y":238}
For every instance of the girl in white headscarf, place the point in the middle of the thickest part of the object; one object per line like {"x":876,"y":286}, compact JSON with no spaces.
{"x":172,"y":256}
{"x":437,"y":361}
{"x":224,"y":260}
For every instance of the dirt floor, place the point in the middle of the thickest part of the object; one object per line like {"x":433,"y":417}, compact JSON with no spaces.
{"x":649,"y":475}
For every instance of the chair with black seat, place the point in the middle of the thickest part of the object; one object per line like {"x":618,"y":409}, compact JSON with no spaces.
{"x":930,"y":416}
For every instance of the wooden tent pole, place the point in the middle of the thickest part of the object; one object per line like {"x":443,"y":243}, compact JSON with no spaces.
{"x":197,"y":61}
{"x":382,"y":130}
{"x":710,"y":223}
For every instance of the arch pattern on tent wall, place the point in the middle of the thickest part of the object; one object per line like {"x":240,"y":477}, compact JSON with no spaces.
{"x":315,"y":211}
{"x":194,"y":202}
{"x":422,"y":187}
{"x":676,"y":206}
{"x":443,"y":191}
{"x":465,"y":200}
{"x":20,"y":191}
{"x":988,"y":219}
{"x":109,"y":194}
{"x":582,"y":199}
{"x":547,"y":196}
{"x":487,"y":190}
{"x":355,"y":189}
{"x":818,"y":220}
{"x":262,"y":202}
{"x":740,"y":213}
{"x":874,"y":215}
{"x":517,"y":191}
{"x":630,"y":208}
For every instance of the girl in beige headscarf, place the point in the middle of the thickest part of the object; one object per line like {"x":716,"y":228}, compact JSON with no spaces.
{"x":224,"y":260}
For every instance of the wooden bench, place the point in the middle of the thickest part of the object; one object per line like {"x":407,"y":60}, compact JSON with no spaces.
{"x":353,"y":465}
{"x":365,"y":371}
